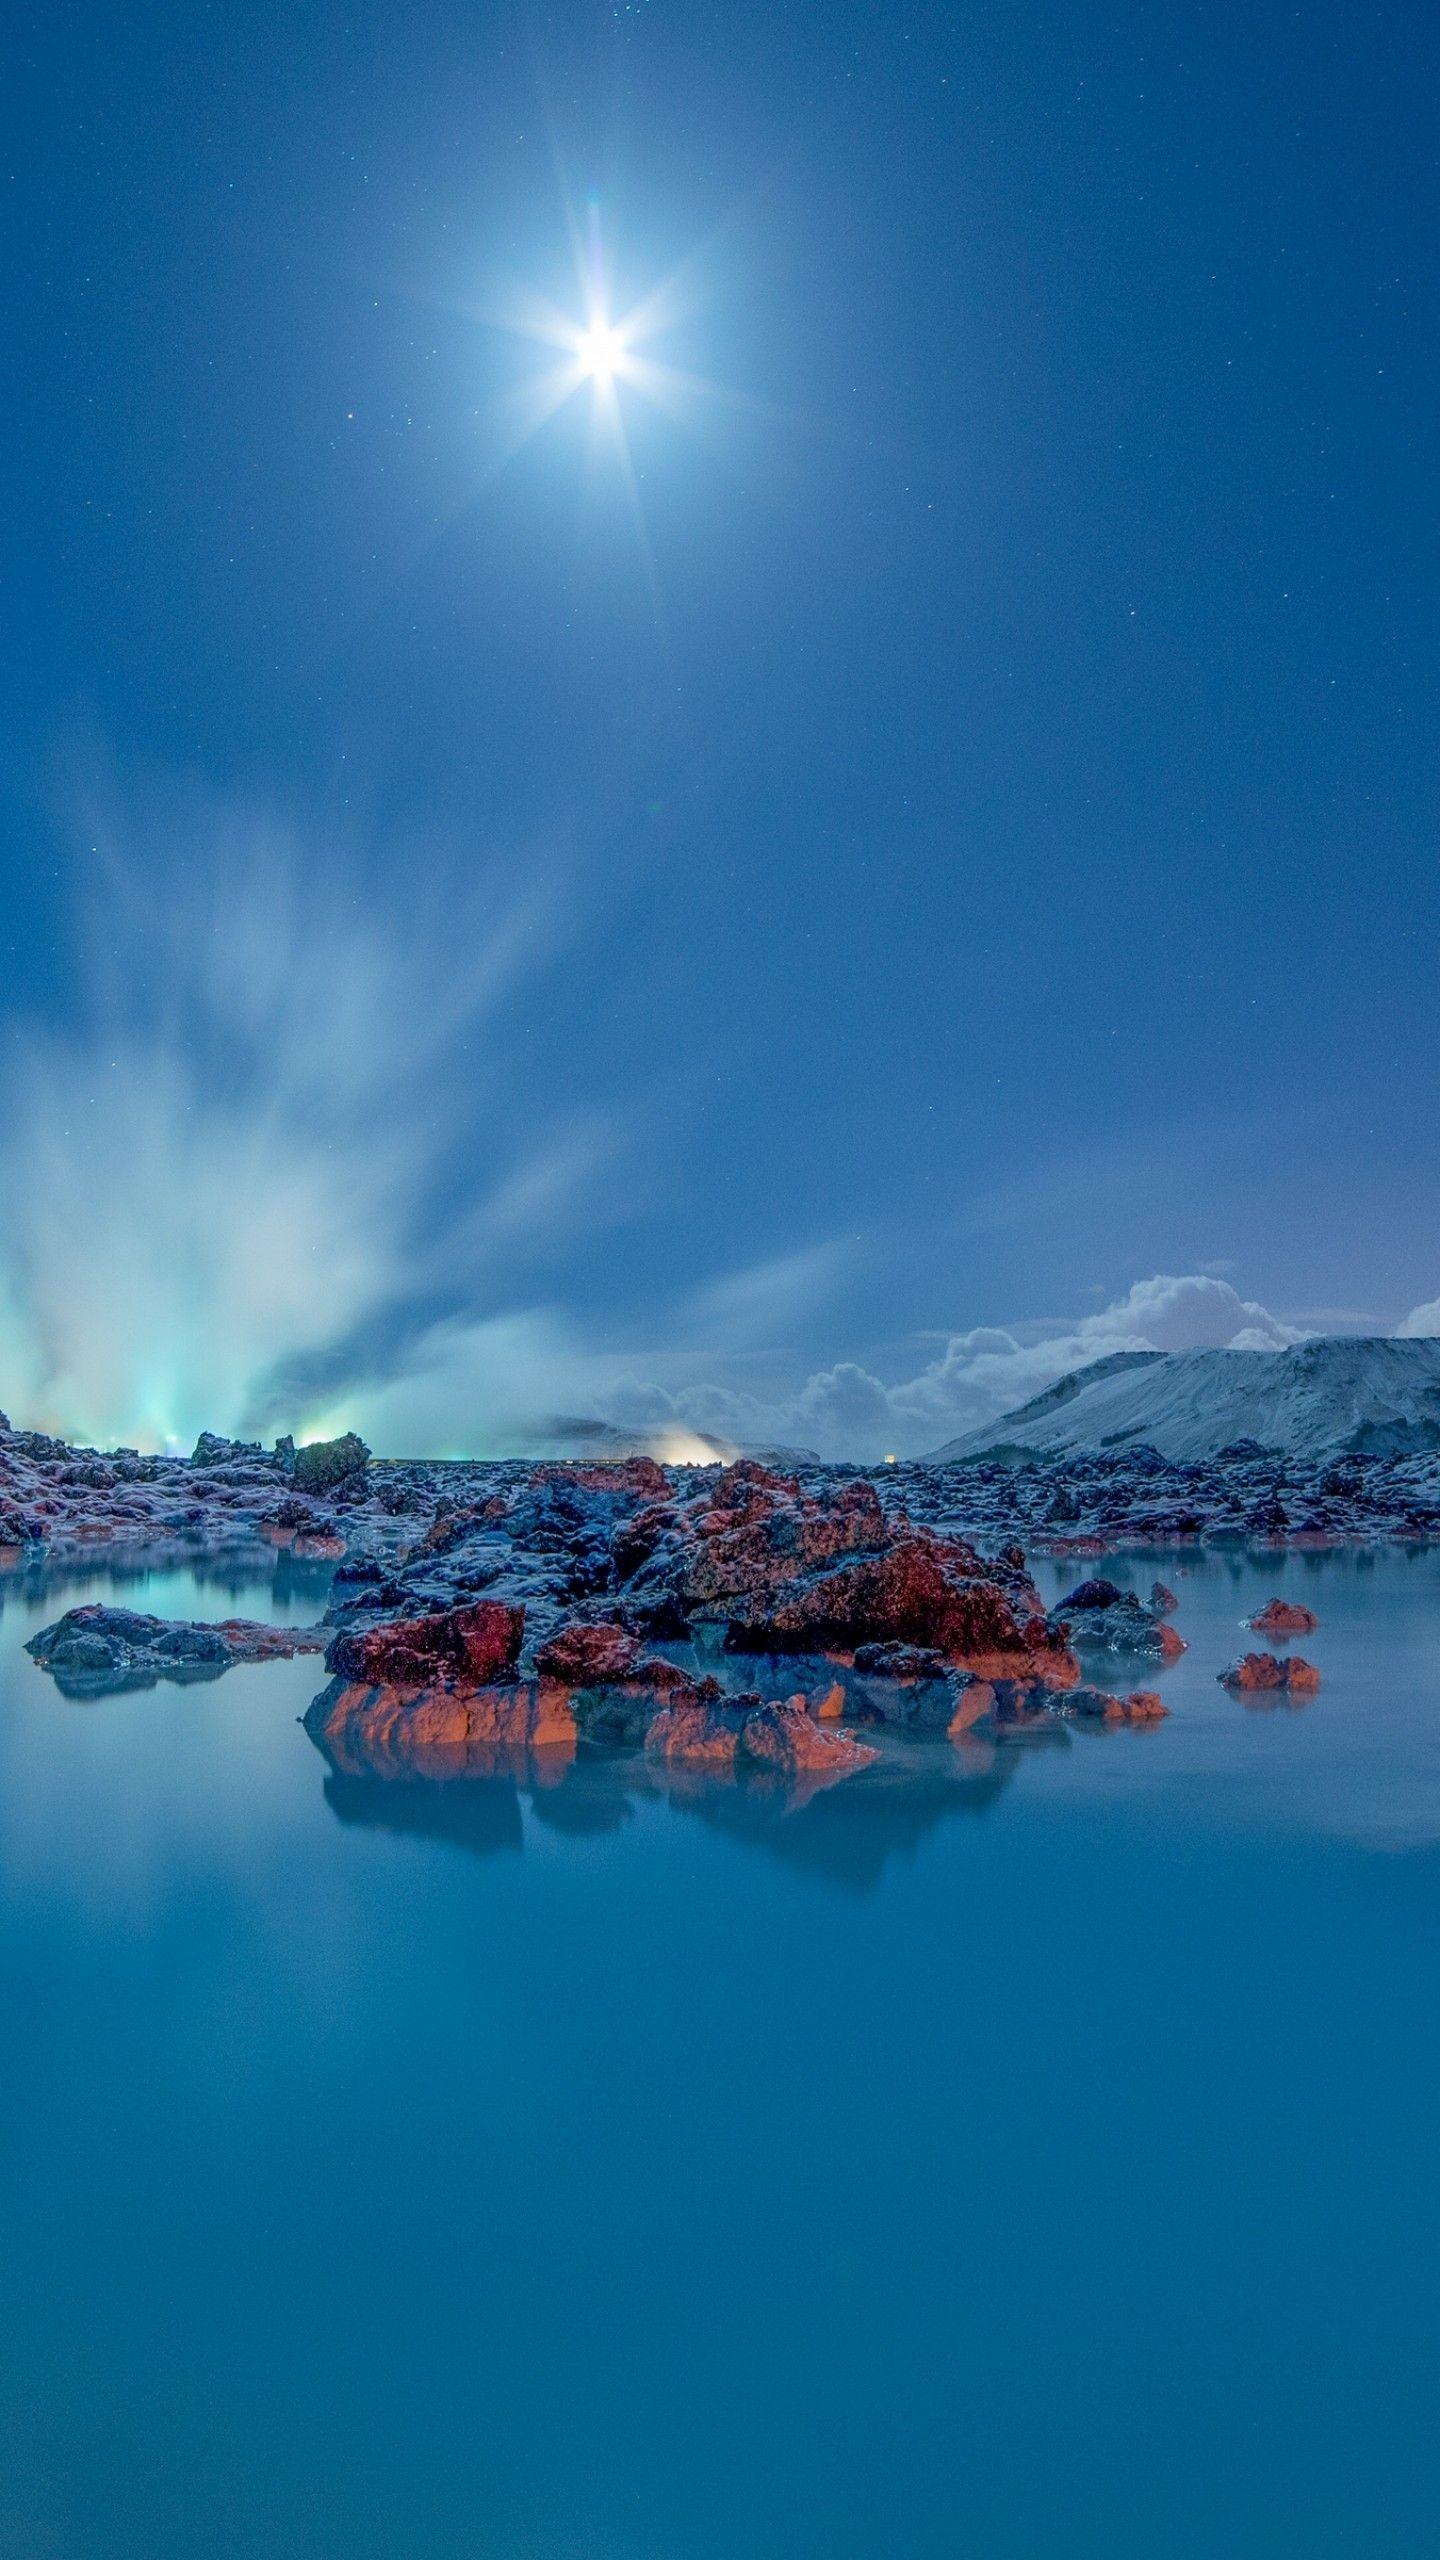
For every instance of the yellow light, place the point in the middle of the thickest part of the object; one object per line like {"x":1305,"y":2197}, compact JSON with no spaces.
{"x":599,"y":352}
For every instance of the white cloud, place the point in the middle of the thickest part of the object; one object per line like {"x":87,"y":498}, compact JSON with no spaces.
{"x":499,"y":1385}
{"x":845,"y":1411}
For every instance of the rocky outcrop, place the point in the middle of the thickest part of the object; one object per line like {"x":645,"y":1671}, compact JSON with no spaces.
{"x":213,"y":1450}
{"x":917,"y":1591}
{"x":745,"y":1534}
{"x":589,"y":1656}
{"x":1097,"y":1706}
{"x":1284,"y":1618}
{"x":297,"y":1524}
{"x":1257,"y":1673}
{"x":97,"y":1651}
{"x":725,"y":1734}
{"x":1097,"y":1616}
{"x":615,"y":1687}
{"x":472,"y":1645}
{"x":1017,"y":1708}
{"x":374,"y":1730}
{"x":482,"y":1597}
{"x":323,"y":1465}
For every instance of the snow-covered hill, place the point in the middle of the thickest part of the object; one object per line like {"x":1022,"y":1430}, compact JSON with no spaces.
{"x":1321,"y":1399}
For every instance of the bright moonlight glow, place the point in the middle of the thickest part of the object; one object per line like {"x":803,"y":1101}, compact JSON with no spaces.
{"x":600,"y":351}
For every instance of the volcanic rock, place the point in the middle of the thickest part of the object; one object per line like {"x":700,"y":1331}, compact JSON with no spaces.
{"x":418,"y":1731}
{"x":470,"y":1645}
{"x":1265,"y":1671}
{"x":324,"y":1464}
{"x":1010,"y":1706}
{"x":212,"y":1450}
{"x":1097,"y":1706}
{"x":1116,"y":1622}
{"x":583,"y":1656}
{"x":1284,"y":1618}
{"x":721,"y":1734}
{"x":1094,"y":1594}
{"x":901,"y":1661}
{"x":919,"y":1591}
{"x":615,"y":1688}
{"x":96,"y":1651}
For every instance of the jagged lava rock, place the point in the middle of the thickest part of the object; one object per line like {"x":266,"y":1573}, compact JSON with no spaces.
{"x":473,"y":1644}
{"x":722,"y":1734}
{"x":1097,"y":1616}
{"x":1256,"y":1672}
{"x":586,"y":1655}
{"x":380,"y":1730}
{"x":615,"y":1688}
{"x":1097,"y":1706}
{"x":213,"y":1450}
{"x":1284,"y":1618}
{"x":95,"y":1650}
{"x":901,"y":1661}
{"x":1097,"y":1593}
{"x":1010,"y":1706}
{"x":747,"y":1533}
{"x":324,"y":1464}
{"x":922,"y":1591}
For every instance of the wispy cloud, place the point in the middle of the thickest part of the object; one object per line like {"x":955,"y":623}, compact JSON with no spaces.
{"x":240,"y":1166}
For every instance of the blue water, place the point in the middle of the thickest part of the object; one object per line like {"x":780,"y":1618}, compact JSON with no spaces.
{"x":1028,"y":2152}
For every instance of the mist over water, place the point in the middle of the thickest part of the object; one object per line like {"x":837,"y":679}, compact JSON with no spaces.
{"x":229,"y":1185}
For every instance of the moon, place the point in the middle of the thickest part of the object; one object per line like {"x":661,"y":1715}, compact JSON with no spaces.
{"x":600,"y":352}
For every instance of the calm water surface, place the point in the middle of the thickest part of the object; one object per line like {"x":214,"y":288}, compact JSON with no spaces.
{"x":1029,"y":2152}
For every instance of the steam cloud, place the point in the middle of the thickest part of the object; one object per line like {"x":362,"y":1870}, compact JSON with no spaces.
{"x":228,"y":1186}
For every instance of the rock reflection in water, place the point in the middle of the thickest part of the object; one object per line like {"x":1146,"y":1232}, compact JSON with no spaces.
{"x":476,"y":1769}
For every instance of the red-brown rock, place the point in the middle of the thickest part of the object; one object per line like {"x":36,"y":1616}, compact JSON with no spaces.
{"x":725,"y":1734}
{"x":1258,"y":1672}
{"x":644,"y":1478}
{"x":1284,"y":1618}
{"x":782,"y":1735}
{"x":589,"y":1656}
{"x":1097,"y":1706}
{"x":921,"y":1591}
{"x":757,"y":1531}
{"x":704,"y":1732}
{"x":466,"y":1646}
{"x":386,"y":1732}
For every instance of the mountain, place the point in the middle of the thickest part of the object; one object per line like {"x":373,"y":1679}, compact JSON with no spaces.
{"x":1327,"y":1398}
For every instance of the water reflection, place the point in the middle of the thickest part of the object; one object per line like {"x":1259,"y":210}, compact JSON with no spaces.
{"x":845,"y":1833}
{"x":274,"y":1581}
{"x":321,"y":2116}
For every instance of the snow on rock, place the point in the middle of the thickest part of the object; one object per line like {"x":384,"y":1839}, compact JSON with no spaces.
{"x":1327,"y":1398}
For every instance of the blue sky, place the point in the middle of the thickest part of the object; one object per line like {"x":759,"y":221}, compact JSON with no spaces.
{"x":939,"y":834}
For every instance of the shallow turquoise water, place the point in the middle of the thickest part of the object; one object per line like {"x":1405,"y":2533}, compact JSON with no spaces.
{"x":1032,"y":2154}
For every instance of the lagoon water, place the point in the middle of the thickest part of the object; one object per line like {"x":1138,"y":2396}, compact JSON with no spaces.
{"x":1027,"y":2151}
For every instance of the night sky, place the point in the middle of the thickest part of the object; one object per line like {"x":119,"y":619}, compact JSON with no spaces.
{"x":890,"y":844}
